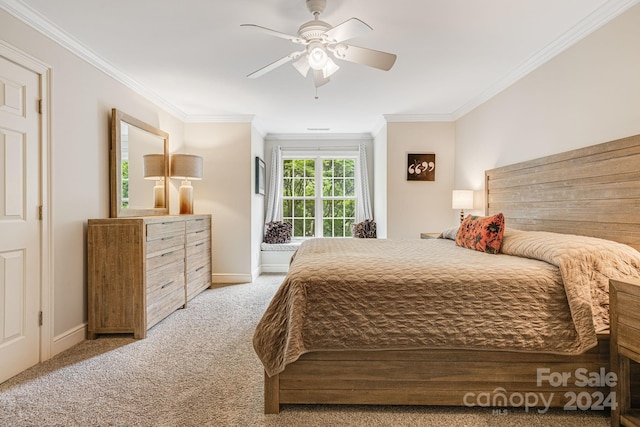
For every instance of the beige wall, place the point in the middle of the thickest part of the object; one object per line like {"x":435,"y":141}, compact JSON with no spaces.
{"x":415,"y":206}
{"x":226,"y":192}
{"x":586,"y":95}
{"x":379,"y":182}
{"x":82,"y":98}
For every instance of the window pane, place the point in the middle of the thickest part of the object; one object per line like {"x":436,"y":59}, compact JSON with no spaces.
{"x":349,"y":208}
{"x":327,"y":187}
{"x":338,"y":187}
{"x":327,"y":168}
{"x":347,"y":228}
{"x":338,"y":227}
{"x":338,"y":167}
{"x":309,"y":228}
{"x":350,"y":187}
{"x":298,"y":208}
{"x":298,"y":168}
{"x":338,"y":210}
{"x":298,"y":228}
{"x":350,"y":168}
{"x":287,"y":187}
{"x":287,"y":208}
{"x":287,"y":168}
{"x":310,"y":187}
{"x":310,"y":209}
{"x":327,"y":208}
{"x":327,"y":230}
{"x":310,"y":168}
{"x":298,"y":187}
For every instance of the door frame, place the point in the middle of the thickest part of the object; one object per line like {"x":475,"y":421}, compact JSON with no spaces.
{"x":46,"y":238}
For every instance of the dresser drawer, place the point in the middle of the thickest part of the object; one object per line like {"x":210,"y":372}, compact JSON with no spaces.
{"x":168,"y":275}
{"x":163,"y":229}
{"x":198,"y":280}
{"x":161,"y":308}
{"x":166,"y":242}
{"x":199,"y":250}
{"x":164,"y":257}
{"x":200,"y":224}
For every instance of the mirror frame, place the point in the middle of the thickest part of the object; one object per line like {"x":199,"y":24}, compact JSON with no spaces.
{"x":115,"y":167}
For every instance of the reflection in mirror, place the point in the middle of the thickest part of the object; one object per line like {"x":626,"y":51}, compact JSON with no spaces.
{"x":139,"y":168}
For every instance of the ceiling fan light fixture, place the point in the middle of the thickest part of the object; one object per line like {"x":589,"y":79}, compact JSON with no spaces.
{"x":302,"y":65}
{"x":330,"y":68}
{"x":317,"y":56}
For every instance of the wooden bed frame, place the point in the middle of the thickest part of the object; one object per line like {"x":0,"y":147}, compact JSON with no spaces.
{"x":592,"y":191}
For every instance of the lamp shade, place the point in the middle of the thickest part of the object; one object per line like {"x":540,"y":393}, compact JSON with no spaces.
{"x":153,"y":166}
{"x":462,"y":199}
{"x":186,"y":166}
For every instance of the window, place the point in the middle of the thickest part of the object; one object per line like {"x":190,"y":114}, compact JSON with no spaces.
{"x":319,"y":196}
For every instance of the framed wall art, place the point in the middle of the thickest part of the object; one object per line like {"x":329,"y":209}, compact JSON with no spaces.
{"x":260,"y":176}
{"x":421,"y":167}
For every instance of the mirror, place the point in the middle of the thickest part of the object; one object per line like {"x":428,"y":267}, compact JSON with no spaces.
{"x":139,"y":168}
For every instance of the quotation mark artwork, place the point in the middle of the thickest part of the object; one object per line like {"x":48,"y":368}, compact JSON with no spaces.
{"x":421,"y":167}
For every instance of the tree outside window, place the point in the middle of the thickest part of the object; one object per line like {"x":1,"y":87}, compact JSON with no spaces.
{"x":319,"y":196}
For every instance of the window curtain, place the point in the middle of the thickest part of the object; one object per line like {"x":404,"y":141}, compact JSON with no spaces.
{"x":363,"y":207}
{"x":274,"y":202}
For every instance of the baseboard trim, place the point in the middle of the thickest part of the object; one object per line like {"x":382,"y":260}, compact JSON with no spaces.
{"x":275,"y":268}
{"x":221,"y":279}
{"x":69,"y":338}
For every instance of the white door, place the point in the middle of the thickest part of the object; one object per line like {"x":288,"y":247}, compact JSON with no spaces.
{"x":19,"y":219}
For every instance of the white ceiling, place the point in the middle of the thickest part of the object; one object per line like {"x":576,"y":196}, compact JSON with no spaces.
{"x":192,"y":56}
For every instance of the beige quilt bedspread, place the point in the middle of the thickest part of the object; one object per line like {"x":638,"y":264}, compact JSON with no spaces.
{"x":546,"y":293}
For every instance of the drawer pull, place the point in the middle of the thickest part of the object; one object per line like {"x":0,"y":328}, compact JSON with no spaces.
{"x":199,"y":268}
{"x":167,"y":284}
{"x":199,"y":244}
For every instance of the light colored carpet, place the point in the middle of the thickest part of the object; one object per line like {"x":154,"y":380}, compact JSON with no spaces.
{"x":198,"y":368}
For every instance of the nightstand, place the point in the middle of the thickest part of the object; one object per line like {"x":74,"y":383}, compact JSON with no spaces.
{"x":624,"y":320}
{"x":429,"y":235}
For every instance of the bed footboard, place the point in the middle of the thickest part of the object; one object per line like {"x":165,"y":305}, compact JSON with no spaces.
{"x":438,"y":377}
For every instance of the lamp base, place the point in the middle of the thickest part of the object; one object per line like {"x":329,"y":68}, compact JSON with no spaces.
{"x":186,"y":198}
{"x":158,"y":195}
{"x":461,"y":215}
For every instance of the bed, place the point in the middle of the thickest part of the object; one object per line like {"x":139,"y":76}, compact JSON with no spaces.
{"x":352,"y":338}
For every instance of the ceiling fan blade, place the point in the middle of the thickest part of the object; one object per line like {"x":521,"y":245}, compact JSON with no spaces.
{"x":319,"y":79}
{"x":347,"y":30}
{"x":361,"y":55}
{"x":274,"y":65}
{"x":275,"y":33}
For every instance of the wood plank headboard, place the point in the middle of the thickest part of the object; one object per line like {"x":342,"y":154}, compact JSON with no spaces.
{"x":591,"y":191}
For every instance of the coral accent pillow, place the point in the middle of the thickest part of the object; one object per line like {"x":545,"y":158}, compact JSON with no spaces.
{"x":483,"y":234}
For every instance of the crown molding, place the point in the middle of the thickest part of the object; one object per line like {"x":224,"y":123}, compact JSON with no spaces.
{"x":403,"y":118}
{"x":318,"y":136}
{"x":222,"y":118}
{"x":34,"y":19}
{"x":588,"y":25}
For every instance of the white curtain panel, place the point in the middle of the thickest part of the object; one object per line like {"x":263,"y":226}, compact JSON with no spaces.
{"x":363,"y":207}
{"x":274,"y":202}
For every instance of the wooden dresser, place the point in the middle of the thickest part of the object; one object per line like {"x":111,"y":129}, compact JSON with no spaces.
{"x":142,"y":269}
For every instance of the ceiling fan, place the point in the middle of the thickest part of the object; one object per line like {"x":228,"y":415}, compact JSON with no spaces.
{"x":321,"y":42}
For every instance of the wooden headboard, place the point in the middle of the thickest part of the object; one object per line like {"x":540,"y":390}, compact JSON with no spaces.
{"x":592,"y":191}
